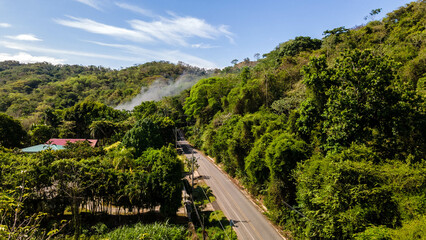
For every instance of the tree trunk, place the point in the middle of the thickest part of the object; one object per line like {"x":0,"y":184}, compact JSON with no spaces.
{"x":75,"y":209}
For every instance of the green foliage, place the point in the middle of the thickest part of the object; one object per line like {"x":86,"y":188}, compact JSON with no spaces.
{"x":103,"y":129}
{"x":213,"y":226}
{"x":282,"y":156}
{"x":308,"y":117}
{"x":336,"y":31}
{"x":31,"y":88}
{"x":78,"y":176}
{"x":299,"y":44}
{"x":145,"y":109}
{"x":78,"y":150}
{"x":149,"y":133}
{"x":165,"y":170}
{"x":374,"y":233}
{"x":156,"y":231}
{"x":421,"y":87}
{"x":14,"y":221}
{"x":361,"y":116}
{"x":11,"y":132}
{"x":41,"y":133}
{"x":83,"y":114}
{"x":247,"y":98}
{"x":205,"y":98}
{"x":414,"y":229}
{"x":408,"y":183}
{"x":287,"y":104}
{"x":343,"y":197}
{"x":255,"y":165}
{"x":245,"y":132}
{"x":218,"y":144}
{"x":360,"y":100}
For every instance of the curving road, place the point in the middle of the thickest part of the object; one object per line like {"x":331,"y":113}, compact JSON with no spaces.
{"x":249,"y":223}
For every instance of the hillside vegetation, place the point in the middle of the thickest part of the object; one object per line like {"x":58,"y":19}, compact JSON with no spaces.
{"x":31,"y":89}
{"x":333,"y":128}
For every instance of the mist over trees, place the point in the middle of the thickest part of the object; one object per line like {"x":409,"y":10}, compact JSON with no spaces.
{"x":328,"y":133}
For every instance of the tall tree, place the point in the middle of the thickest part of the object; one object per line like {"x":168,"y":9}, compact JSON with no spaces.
{"x":361,"y":100}
{"x":11,"y":132}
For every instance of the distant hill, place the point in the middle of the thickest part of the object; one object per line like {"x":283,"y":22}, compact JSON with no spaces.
{"x":26,"y":89}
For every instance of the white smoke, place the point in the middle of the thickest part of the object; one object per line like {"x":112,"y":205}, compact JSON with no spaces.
{"x":161,"y":88}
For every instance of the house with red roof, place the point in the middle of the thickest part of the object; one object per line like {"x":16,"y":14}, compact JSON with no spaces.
{"x":64,"y":141}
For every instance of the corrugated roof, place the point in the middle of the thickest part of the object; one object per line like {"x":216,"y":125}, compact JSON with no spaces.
{"x":41,"y":147}
{"x":64,"y":141}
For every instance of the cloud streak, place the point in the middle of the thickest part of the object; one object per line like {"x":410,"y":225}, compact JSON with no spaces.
{"x":203,"y":46}
{"x":166,"y":55}
{"x":136,"y":54}
{"x":104,"y":29}
{"x":177,"y":30}
{"x":5,"y":25}
{"x":22,"y":47}
{"x":135,"y":9}
{"x":24,"y":37}
{"x":24,"y":57}
{"x":174,"y":30}
{"x":91,"y":3}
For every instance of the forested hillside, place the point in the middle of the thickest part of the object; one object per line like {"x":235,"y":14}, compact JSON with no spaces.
{"x":31,"y":89}
{"x":334,"y":128}
{"x":328,"y":133}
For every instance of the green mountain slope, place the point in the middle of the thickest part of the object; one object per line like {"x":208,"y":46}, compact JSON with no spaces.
{"x":333,"y":127}
{"x":26,"y":89}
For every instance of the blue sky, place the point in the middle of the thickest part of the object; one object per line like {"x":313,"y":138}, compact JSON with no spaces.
{"x":122,"y":33}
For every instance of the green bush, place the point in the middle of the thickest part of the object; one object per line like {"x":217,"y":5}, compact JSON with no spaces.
{"x":374,"y":233}
{"x":343,"y":197}
{"x":156,"y":231}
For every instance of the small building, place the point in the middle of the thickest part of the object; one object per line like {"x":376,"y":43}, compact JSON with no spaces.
{"x":57,"y":144}
{"x":64,"y":141}
{"x":41,"y":147}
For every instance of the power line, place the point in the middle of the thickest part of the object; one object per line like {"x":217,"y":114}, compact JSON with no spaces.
{"x":208,"y":199}
{"x":292,"y":208}
{"x":219,"y":219}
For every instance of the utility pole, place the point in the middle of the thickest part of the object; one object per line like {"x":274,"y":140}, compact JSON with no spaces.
{"x":192,"y":194}
{"x":231,"y":223}
{"x":175,"y":131}
{"x":266,"y":88}
{"x":266,"y":92}
{"x":192,"y":151}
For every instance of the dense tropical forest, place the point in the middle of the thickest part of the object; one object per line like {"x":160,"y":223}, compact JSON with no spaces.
{"x":330,"y":134}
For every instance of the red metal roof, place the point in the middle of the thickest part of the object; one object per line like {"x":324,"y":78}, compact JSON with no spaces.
{"x":64,"y":141}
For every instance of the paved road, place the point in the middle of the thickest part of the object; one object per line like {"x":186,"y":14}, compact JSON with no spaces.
{"x":249,"y":222}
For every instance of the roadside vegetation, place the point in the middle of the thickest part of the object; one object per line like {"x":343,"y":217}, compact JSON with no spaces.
{"x":328,"y":133}
{"x":330,"y":128}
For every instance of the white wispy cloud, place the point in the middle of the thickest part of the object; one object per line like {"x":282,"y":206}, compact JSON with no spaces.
{"x":24,"y":57}
{"x":24,"y":37}
{"x":5,"y":25}
{"x":135,"y":9}
{"x":177,"y":30}
{"x":134,"y":54}
{"x":164,"y":54}
{"x":203,"y":46}
{"x":174,"y":30}
{"x":92,"y":3}
{"x":104,"y":29}
{"x":61,"y":52}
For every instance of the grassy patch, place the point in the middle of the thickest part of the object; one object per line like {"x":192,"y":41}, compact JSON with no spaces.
{"x":160,"y":231}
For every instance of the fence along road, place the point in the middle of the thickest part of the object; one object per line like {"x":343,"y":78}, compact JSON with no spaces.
{"x":249,"y":223}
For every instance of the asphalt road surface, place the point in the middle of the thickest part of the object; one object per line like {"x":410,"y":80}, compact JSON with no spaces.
{"x":249,"y":223}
